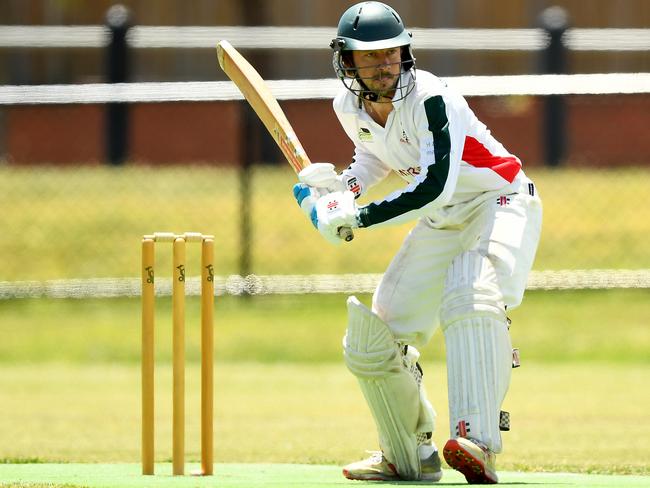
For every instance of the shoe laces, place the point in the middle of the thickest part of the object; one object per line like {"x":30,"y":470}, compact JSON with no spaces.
{"x":376,"y":457}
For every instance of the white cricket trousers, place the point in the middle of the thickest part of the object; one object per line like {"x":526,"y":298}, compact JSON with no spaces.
{"x":504,"y":228}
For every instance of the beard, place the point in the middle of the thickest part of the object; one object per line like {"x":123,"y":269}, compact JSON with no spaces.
{"x":383,"y":85}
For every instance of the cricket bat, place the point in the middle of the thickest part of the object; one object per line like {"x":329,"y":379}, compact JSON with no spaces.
{"x":267,"y":108}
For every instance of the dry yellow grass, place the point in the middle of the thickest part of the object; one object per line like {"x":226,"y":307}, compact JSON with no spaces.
{"x":87,"y":221}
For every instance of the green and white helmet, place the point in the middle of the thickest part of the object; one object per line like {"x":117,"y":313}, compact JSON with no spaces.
{"x":368,"y":26}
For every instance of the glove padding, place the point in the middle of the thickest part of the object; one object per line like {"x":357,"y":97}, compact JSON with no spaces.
{"x":321,"y":175}
{"x":307,"y":198}
{"x":333,"y":211}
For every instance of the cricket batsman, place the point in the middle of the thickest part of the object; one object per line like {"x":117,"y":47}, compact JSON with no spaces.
{"x":467,"y":258}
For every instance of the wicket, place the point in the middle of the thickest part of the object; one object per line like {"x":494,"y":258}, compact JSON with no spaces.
{"x":178,"y":350}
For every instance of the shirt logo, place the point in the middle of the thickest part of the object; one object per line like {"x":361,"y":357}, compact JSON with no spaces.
{"x":365,"y":135}
{"x":404,"y":138}
{"x":354,"y":186}
{"x":410,"y":172}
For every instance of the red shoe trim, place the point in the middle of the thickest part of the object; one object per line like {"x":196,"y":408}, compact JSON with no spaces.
{"x":461,"y":460}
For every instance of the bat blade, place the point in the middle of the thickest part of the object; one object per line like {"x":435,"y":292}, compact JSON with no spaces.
{"x":267,"y":108}
{"x":260,"y":98}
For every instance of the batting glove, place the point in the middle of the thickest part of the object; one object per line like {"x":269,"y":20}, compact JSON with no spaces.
{"x":307,"y":198}
{"x":323,"y":176}
{"x":320,"y":175}
{"x":333,"y":211}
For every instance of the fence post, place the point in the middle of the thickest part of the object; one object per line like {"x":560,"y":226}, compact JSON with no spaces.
{"x":252,"y":136}
{"x":249,"y":146}
{"x":117,"y":71}
{"x":555,"y":21}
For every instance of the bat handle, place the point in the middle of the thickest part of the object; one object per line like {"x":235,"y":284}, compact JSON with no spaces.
{"x":346,"y":234}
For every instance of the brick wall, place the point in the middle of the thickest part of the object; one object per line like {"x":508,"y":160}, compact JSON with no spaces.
{"x":602,"y":131}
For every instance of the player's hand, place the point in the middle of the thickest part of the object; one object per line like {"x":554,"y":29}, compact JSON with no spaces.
{"x":333,"y":211}
{"x":321,"y":175}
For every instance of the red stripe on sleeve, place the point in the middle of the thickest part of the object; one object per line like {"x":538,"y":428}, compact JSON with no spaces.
{"x":477,"y":155}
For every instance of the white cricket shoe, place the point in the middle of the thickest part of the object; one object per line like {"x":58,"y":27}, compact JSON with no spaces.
{"x":375,"y":468}
{"x":431,"y":468}
{"x":378,"y":468}
{"x":472,"y":458}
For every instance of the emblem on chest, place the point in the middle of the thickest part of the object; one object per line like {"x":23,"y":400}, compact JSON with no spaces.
{"x":364,"y":134}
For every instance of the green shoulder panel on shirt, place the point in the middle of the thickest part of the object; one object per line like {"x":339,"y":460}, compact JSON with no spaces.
{"x":433,"y":184}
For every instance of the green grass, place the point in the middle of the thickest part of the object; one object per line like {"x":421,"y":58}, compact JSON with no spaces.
{"x":271,"y":476}
{"x":564,"y":418}
{"x":87,"y":221}
{"x":69,"y":382}
{"x":561,"y":326}
{"x":69,"y":374}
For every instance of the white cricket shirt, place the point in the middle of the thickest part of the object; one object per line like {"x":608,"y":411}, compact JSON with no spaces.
{"x":433,"y":140}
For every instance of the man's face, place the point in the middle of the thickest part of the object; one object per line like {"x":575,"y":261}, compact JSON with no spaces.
{"x":379,"y":69}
